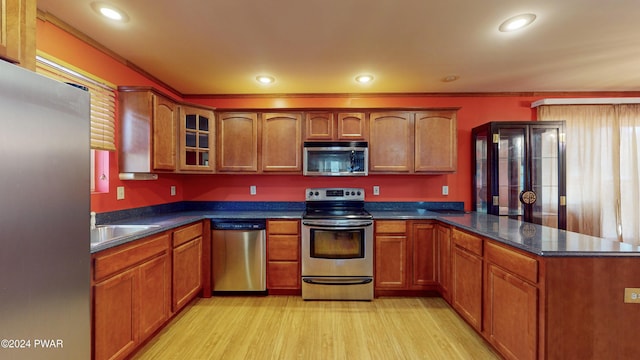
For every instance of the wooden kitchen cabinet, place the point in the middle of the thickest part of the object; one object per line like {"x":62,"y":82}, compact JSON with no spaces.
{"x":237,"y":142}
{"x":423,"y":249}
{"x":114,"y":320}
{"x":511,"y":302}
{"x":187,"y":264}
{"x":281,"y":142}
{"x":196,"y":145}
{"x":413,"y":142}
{"x":148,"y":131}
{"x":131,"y":295}
{"x":391,"y":263}
{"x":391,"y":142}
{"x":466,"y":276}
{"x":342,"y":126}
{"x":443,"y":240}
{"x":436,"y":147}
{"x":18,"y":32}
{"x":405,"y":256}
{"x":283,"y":257}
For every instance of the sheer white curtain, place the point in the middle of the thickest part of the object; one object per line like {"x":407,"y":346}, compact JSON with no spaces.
{"x":603,"y":157}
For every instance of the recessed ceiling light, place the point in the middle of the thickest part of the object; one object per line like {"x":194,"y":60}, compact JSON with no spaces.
{"x":109,"y":11}
{"x":364,"y":79}
{"x":450,"y":78}
{"x":265,"y":79}
{"x":517,"y":22}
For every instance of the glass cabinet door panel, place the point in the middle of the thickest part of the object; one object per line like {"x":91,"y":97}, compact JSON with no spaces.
{"x":203,"y":141}
{"x":511,"y":171}
{"x":190,"y":139}
{"x":481,"y":184}
{"x":545,"y":175}
{"x":190,"y":122}
{"x":203,"y":124}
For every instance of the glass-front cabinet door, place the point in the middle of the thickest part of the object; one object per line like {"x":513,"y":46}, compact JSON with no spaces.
{"x":519,"y":171}
{"x":196,"y":143}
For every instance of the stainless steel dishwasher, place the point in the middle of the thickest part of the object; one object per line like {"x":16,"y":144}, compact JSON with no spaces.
{"x":238,"y":260}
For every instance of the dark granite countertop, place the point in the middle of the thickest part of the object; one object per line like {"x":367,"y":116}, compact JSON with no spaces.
{"x":535,"y":239}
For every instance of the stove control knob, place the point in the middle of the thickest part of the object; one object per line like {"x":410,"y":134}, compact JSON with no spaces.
{"x":358,"y":193}
{"x":310,"y":193}
{"x":317,"y":193}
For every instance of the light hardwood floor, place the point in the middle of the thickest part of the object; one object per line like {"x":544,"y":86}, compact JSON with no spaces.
{"x":287,"y":327}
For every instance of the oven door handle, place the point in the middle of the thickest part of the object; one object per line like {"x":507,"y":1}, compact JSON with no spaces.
{"x":333,"y":225}
{"x":337,"y":281}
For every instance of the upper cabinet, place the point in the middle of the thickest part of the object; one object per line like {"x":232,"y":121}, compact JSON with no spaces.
{"x":237,"y":147}
{"x":281,"y":143}
{"x":435,"y":141}
{"x":148,"y":127}
{"x":197,"y":139}
{"x":413,"y":142}
{"x":391,"y":142}
{"x":327,"y":126}
{"x":18,"y":32}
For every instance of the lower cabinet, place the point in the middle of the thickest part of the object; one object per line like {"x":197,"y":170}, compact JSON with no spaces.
{"x":138,"y":286}
{"x":405,"y":255}
{"x":466,"y":277}
{"x":187,"y":264}
{"x":131,"y":295}
{"x":283,"y":257}
{"x":390,"y":255}
{"x":423,"y":249}
{"x":443,"y":240}
{"x":511,"y":302}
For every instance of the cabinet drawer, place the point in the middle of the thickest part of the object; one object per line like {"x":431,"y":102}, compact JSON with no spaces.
{"x":391,"y":226}
{"x":187,"y":233}
{"x":283,"y":275}
{"x":283,"y":247}
{"x":467,"y":241}
{"x":283,"y":227}
{"x":517,"y":263}
{"x":121,"y":258}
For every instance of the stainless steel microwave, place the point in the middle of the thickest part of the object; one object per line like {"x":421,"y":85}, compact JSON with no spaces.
{"x":336,"y":158}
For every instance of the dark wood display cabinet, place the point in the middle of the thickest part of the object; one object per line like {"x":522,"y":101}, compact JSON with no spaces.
{"x":519,"y":171}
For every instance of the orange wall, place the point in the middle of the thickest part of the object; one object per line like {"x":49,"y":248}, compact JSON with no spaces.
{"x":474,"y":110}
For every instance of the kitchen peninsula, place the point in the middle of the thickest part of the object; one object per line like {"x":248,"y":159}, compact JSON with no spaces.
{"x":532,"y":292}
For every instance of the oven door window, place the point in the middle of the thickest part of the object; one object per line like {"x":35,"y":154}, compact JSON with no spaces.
{"x":337,"y":244}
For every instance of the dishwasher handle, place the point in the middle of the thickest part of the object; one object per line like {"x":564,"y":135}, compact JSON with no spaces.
{"x":238,"y":224}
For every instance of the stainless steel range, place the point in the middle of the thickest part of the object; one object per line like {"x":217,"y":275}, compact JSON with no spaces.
{"x":337,"y":245}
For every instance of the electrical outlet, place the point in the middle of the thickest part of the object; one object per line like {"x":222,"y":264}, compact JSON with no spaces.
{"x":120,"y":193}
{"x":252,"y":190}
{"x":173,"y":191}
{"x":445,"y":190}
{"x":632,"y":295}
{"x":376,"y":190}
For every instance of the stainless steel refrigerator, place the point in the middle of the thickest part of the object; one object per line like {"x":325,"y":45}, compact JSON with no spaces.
{"x":44,"y":218}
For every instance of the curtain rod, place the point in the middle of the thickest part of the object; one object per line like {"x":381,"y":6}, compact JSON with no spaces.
{"x":586,"y":101}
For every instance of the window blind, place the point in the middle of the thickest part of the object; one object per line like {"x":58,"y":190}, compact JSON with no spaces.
{"x":103,"y":98}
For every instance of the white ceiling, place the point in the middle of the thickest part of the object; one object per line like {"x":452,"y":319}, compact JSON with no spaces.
{"x":319,"y":46}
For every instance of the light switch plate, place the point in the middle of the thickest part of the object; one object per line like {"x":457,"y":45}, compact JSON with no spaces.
{"x":445,"y":190}
{"x":120,"y":193}
{"x":173,"y":191}
{"x":632,"y":295}
{"x":376,"y":190}
{"x":252,"y":190}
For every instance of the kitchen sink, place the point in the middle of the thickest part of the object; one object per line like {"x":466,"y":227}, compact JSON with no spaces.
{"x":104,"y":233}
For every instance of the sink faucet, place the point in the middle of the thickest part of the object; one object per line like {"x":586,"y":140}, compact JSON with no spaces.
{"x":92,"y":222}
